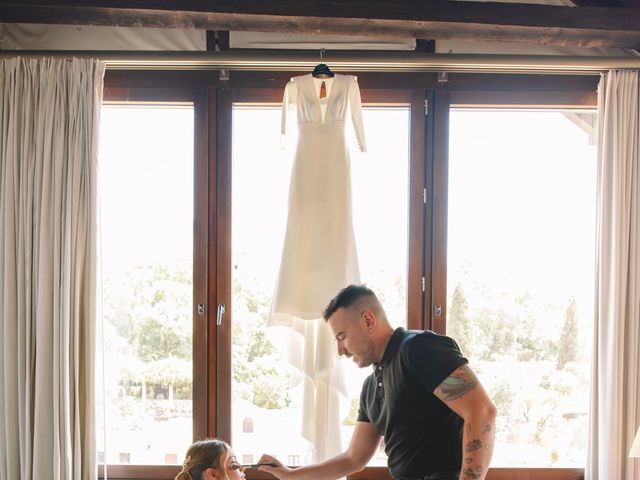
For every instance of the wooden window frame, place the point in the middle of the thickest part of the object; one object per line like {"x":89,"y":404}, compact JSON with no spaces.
{"x":443,"y":100}
{"x":438,"y":158}
{"x":226,"y":98}
{"x":196,"y":97}
{"x":214,"y":99}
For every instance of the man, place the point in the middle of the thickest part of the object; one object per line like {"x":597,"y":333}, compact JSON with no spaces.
{"x":422,"y":398}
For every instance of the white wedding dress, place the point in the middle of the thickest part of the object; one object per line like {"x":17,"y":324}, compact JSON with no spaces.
{"x":319,"y":254}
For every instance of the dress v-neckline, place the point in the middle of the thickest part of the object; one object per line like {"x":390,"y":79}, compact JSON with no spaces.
{"x":323,"y":115}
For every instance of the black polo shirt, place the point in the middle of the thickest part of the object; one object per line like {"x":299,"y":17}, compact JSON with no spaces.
{"x":422,"y":435}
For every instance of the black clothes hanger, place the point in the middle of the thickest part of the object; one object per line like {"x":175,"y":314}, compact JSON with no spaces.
{"x":321,"y":70}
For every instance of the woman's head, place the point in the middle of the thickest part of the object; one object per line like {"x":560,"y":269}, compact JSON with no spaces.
{"x":208,"y":460}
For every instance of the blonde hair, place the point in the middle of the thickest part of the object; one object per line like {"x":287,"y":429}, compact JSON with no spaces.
{"x":203,"y":454}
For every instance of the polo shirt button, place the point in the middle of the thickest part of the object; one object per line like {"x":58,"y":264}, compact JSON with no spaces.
{"x":380,"y":384}
{"x":379,"y":368}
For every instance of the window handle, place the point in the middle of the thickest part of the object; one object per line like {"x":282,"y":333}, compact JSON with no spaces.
{"x":221,"y":312}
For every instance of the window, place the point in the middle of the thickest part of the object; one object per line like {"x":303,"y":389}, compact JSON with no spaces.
{"x":264,"y":387}
{"x":240,"y":180}
{"x":520,"y":280}
{"x":247,"y":425}
{"x":146,"y":221}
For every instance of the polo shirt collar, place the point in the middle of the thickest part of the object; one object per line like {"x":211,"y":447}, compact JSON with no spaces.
{"x":391,"y":348}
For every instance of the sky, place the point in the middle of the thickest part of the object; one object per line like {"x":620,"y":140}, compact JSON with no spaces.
{"x":537,"y":230}
{"x":146,"y":185}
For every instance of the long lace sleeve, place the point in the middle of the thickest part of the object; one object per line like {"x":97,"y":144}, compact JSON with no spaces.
{"x":355,"y":105}
{"x":288,"y":99}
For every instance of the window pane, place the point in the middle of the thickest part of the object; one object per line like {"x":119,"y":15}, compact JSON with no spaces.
{"x":520,"y":274}
{"x":146,"y":196}
{"x":262,"y":397}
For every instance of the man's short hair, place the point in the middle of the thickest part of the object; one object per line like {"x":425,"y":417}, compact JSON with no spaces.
{"x":348,"y":297}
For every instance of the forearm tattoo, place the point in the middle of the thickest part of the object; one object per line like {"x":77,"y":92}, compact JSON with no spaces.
{"x":460,"y":382}
{"x":470,"y":472}
{"x":473,"y":445}
{"x":457,"y":385}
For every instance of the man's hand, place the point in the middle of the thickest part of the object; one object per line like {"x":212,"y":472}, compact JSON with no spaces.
{"x":280,"y":471}
{"x":364,"y":442}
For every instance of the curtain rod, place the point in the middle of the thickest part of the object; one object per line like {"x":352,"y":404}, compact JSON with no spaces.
{"x":352,"y":61}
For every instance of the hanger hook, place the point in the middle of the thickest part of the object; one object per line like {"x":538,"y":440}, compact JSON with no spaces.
{"x":321,"y":54}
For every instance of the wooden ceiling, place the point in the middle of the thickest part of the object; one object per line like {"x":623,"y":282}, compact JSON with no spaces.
{"x":592,"y":23}
{"x":606,"y":3}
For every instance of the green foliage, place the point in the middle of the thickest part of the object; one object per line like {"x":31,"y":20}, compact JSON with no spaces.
{"x":149,"y":309}
{"x":532,"y":348}
{"x":526,"y":352}
{"x":498,"y":333}
{"x":259,"y":347}
{"x":502,"y":397}
{"x":158,"y":339}
{"x":258,"y":373}
{"x":459,"y":324}
{"x":568,"y":351}
{"x":168,"y":371}
{"x":352,"y":416}
{"x":514,"y":330}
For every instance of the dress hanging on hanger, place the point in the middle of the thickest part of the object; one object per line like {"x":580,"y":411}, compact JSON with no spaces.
{"x":319,"y":253}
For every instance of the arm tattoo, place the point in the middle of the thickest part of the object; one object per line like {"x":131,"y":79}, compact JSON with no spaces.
{"x":458,"y":383}
{"x":471,"y":473}
{"x":473,"y":445}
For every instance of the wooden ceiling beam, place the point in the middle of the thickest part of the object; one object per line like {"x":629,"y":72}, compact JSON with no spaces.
{"x":434,"y":19}
{"x":603,"y":3}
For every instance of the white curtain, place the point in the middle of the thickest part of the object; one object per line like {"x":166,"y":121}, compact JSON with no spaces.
{"x":49,"y":111}
{"x":615,"y":407}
